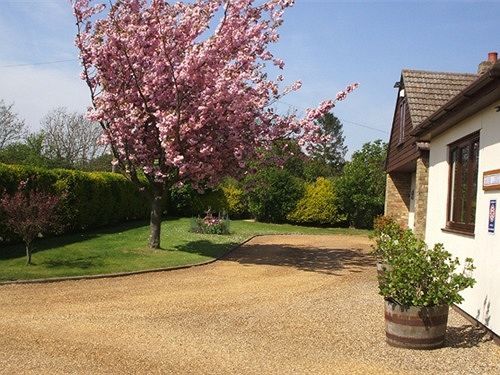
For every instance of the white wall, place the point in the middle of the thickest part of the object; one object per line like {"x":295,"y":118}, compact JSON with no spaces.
{"x":483,"y":301}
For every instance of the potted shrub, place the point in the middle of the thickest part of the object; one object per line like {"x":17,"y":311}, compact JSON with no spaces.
{"x":388,"y":236}
{"x":418,"y":290}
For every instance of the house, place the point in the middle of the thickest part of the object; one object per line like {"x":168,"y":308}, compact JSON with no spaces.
{"x":443,"y":172}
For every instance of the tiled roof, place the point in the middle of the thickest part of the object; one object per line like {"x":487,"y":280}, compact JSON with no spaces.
{"x":428,"y":91}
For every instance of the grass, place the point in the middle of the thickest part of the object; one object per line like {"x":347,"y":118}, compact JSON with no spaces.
{"x":124,"y":248}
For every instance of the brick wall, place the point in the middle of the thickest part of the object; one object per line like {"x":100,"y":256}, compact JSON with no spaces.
{"x":397,"y":197}
{"x":421,"y":189}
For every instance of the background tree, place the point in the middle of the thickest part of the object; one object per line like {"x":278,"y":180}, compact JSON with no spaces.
{"x":30,"y":213}
{"x":360,"y":191}
{"x":328,"y":158}
{"x":70,"y":140}
{"x":27,"y":152}
{"x":180,"y":99}
{"x":282,"y":153}
{"x":12,"y":128}
{"x":102,"y":163}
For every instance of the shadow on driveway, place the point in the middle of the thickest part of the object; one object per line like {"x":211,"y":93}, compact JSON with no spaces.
{"x":466,"y":336}
{"x":312,"y":259}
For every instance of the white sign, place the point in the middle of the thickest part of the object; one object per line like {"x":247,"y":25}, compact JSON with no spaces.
{"x":491,"y":180}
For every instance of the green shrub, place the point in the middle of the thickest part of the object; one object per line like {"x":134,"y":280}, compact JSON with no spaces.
{"x":318,"y":205}
{"x":389,"y":238}
{"x":213,"y":200}
{"x":90,"y":199}
{"x":421,"y":276}
{"x":272,"y":193}
{"x":235,"y":199}
{"x":185,"y":201}
{"x":179,"y":200}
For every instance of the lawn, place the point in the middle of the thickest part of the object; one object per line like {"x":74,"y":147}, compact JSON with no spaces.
{"x":124,"y":248}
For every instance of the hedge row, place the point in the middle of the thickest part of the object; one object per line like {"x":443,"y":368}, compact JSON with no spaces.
{"x":97,"y":199}
{"x":271,"y":195}
{"x":228,"y":198}
{"x":90,"y":199}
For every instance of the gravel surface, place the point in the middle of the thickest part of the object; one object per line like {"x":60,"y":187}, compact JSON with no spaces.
{"x":277,"y":305}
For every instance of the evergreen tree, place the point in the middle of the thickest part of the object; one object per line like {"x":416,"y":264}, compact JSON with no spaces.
{"x":328,"y":158}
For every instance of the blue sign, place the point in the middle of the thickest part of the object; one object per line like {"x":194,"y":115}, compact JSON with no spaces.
{"x":492,"y":216}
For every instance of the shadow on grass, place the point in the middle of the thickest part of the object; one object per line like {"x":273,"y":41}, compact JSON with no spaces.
{"x":313,"y":259}
{"x":466,"y":336}
{"x":81,"y":263}
{"x":18,"y":250}
{"x":206,"y":248}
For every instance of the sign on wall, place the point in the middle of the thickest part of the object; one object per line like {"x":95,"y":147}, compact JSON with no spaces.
{"x":492,"y":216}
{"x":491,"y":180}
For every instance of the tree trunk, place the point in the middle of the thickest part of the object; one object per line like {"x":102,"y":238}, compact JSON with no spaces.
{"x":28,"y":253}
{"x":155,"y":220}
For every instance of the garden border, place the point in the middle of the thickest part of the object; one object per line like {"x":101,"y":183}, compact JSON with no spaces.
{"x":129,"y":273}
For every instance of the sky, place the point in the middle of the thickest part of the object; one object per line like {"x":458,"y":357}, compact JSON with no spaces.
{"x":326,"y":44}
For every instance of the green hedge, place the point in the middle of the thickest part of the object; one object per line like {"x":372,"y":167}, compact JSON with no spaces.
{"x":229,"y":198}
{"x":97,"y":199}
{"x":90,"y":200}
{"x":185,"y":201}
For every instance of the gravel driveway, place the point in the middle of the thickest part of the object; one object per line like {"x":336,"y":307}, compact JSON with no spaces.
{"x":277,"y":305}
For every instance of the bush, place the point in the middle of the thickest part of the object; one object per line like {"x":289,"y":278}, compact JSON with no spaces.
{"x":389,"y":238}
{"x":421,"y":276}
{"x":272,"y":193}
{"x":318,"y":205}
{"x":186,"y":201}
{"x":89,"y":200}
{"x":30,"y":213}
{"x":180,"y":200}
{"x":213,"y":200}
{"x":235,"y":199}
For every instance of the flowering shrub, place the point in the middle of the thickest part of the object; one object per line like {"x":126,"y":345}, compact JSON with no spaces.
{"x":30,"y":214}
{"x":211,"y":224}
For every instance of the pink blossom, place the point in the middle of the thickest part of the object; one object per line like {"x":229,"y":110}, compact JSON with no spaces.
{"x":180,"y":100}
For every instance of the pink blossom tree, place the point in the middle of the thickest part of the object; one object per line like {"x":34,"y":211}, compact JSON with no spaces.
{"x":182,"y":90}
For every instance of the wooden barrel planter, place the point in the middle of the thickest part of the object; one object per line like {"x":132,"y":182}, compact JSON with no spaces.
{"x":415,"y":327}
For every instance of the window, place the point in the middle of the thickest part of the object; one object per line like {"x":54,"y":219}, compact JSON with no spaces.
{"x":402,"y":121}
{"x":463,"y":159}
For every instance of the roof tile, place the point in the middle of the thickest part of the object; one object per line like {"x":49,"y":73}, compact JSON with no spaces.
{"x":428,"y":91}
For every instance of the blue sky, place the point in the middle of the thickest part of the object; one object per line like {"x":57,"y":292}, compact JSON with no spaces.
{"x":327,"y":44}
